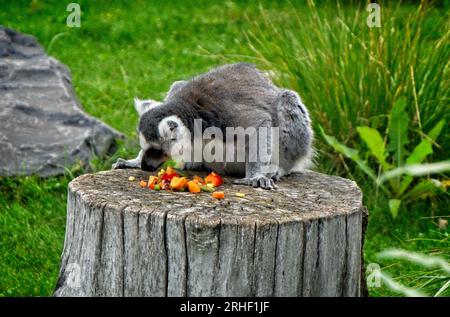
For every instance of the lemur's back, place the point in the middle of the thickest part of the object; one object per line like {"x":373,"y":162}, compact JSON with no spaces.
{"x":237,"y":87}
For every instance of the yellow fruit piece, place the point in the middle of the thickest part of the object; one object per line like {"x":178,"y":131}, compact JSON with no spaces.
{"x":240,"y":195}
{"x":131,"y":178}
{"x":152,"y":180}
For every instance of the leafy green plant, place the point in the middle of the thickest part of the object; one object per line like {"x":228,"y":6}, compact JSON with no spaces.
{"x":392,"y":162}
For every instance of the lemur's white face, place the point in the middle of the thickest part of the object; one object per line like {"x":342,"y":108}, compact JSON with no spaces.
{"x":171,"y":140}
{"x":175,"y":138}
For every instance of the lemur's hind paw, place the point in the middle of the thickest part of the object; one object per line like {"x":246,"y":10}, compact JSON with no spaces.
{"x":120,"y":163}
{"x":257,"y":181}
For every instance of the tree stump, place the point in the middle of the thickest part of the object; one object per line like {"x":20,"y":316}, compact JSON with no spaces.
{"x":303,"y":239}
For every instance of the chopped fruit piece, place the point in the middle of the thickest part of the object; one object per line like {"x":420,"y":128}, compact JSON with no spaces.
{"x":175,"y":180}
{"x":131,"y":178}
{"x":194,"y":187}
{"x":165,"y":184}
{"x":152,"y":180}
{"x":214,"y":179}
{"x":183,"y":183}
{"x":178,"y":183}
{"x":198,"y":180}
{"x":170,"y":171}
{"x":161,"y":173}
{"x":219,"y":195}
{"x":240,"y":195}
{"x":169,"y":176}
{"x":206,"y":188}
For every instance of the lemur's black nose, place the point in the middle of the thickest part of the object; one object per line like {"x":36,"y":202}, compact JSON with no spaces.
{"x":146,"y":167}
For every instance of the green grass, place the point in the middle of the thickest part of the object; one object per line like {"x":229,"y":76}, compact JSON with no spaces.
{"x":127,"y":49}
{"x":32,"y":222}
{"x":351,"y":74}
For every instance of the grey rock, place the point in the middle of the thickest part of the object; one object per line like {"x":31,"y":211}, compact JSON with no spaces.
{"x":43,"y":128}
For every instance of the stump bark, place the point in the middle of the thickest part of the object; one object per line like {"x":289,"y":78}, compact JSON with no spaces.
{"x":304,"y":239}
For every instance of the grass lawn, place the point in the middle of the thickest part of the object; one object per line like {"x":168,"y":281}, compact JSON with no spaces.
{"x":129,"y":49}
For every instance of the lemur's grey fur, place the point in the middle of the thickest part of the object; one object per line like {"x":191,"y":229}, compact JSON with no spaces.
{"x":236,"y":95}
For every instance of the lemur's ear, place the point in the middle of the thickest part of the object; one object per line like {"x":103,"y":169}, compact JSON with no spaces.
{"x":143,"y":106}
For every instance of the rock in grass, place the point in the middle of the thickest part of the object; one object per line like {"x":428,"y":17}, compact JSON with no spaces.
{"x":43,"y":128}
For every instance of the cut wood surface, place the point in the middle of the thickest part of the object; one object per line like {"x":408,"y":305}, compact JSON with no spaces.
{"x":303,"y":239}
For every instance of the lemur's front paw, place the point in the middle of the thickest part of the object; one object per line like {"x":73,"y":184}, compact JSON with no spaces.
{"x":120,"y":163}
{"x":257,"y":181}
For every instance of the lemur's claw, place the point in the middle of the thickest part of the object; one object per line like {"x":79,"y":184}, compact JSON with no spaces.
{"x":258,"y":181}
{"x":276,"y":177}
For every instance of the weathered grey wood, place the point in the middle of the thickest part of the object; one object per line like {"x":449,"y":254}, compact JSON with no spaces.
{"x":176,"y":253}
{"x":304,"y":239}
{"x":352,"y":284}
{"x":264,"y":257}
{"x":310,"y":282}
{"x":111,"y":268}
{"x":236,"y":252}
{"x":289,"y":256}
{"x":202,"y":245}
{"x":153,"y":255}
{"x":132,"y":252}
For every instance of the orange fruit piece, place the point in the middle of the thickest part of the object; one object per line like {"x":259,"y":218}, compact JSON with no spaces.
{"x":193,"y":187}
{"x":143,"y":183}
{"x":198,"y":179}
{"x":178,"y":183}
{"x":170,"y":171}
{"x":214,"y":179}
{"x":218,"y":195}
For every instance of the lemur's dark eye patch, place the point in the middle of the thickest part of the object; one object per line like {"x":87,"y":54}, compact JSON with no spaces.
{"x":172,"y":125}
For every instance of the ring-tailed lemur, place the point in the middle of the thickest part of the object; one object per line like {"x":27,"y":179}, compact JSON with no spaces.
{"x":236,"y":95}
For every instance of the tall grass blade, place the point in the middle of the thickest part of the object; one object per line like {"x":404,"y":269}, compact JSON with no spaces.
{"x":416,"y":170}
